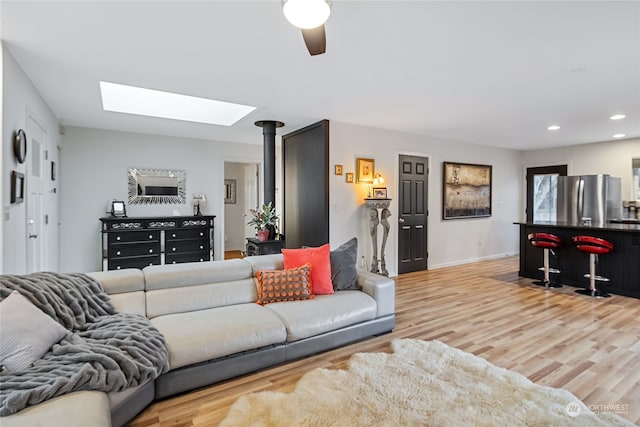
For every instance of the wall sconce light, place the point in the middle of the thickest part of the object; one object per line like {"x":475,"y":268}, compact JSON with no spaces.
{"x":377,"y":180}
{"x":198,"y":198}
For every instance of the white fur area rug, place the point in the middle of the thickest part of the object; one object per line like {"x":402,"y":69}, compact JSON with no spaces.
{"x":422,"y":383}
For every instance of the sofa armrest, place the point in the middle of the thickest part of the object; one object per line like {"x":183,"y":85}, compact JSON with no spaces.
{"x":380,"y":288}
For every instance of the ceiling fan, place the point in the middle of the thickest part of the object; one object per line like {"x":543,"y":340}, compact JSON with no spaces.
{"x":309,"y":16}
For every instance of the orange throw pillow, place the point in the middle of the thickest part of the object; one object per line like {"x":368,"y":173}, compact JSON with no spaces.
{"x":284,"y":285}
{"x":320,"y":261}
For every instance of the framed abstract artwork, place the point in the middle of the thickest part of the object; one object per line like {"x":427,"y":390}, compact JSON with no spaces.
{"x":466,"y":191}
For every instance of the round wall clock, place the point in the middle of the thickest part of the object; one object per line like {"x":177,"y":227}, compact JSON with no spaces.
{"x":20,"y":146}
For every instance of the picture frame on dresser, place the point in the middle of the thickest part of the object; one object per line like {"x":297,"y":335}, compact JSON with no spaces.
{"x":118,"y":209}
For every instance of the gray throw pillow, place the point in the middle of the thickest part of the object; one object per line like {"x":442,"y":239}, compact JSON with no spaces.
{"x":27,"y":333}
{"x":343,"y":266}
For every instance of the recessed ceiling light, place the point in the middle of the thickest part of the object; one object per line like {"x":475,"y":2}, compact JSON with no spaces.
{"x":619,"y":135}
{"x":553,"y":127}
{"x":617,"y":117}
{"x":155,"y":103}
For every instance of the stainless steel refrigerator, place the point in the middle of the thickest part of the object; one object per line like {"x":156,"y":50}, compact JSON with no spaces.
{"x":588,"y":198}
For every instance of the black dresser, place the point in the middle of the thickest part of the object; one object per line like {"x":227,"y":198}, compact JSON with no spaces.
{"x":142,"y":241}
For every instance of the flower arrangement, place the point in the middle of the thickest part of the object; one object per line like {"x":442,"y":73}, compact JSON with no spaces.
{"x":265,"y":221}
{"x":264,"y":217}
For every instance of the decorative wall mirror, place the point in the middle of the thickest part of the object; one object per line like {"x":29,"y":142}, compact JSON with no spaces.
{"x":151,"y":186}
{"x":230,"y":191}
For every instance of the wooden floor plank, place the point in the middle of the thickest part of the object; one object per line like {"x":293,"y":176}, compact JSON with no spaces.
{"x":555,"y":337}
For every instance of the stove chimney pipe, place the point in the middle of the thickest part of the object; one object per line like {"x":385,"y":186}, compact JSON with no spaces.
{"x":269,"y":165}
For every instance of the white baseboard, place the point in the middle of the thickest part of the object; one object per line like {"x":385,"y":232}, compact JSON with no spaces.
{"x":471,"y":260}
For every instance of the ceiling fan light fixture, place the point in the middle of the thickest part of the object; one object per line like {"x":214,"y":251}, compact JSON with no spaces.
{"x":306,"y":14}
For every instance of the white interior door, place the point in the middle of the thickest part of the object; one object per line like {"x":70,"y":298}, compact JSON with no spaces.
{"x":36,"y":142}
{"x":252,"y":198}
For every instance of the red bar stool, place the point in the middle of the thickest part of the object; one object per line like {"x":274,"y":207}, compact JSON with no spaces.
{"x":594,"y":246}
{"x":548,"y":242}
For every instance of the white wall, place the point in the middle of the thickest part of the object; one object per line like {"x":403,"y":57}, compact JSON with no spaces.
{"x":20,"y":98}
{"x":1,"y":155}
{"x":449,"y":242}
{"x":609,"y":157}
{"x":95,"y":171}
{"x":234,"y":219}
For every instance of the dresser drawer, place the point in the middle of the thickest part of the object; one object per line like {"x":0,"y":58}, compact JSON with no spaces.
{"x":197,"y":233}
{"x":133,"y":262}
{"x":187,"y":257}
{"x":178,"y":246}
{"x":134,"y":236}
{"x":133,"y":249}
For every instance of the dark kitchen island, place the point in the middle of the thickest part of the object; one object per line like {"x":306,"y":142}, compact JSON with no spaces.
{"x":621,"y":266}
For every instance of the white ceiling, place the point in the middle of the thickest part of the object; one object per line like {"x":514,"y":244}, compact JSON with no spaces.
{"x":492,"y":73}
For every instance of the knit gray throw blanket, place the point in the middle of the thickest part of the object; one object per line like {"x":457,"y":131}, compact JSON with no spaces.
{"x":104,"y":350}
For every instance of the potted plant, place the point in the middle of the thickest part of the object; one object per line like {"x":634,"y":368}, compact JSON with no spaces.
{"x":264,"y":219}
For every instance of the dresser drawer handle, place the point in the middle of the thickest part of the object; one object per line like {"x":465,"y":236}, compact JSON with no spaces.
{"x":118,"y":253}
{"x":150,"y":263}
{"x":173,"y":249}
{"x":173,"y":262}
{"x":117,"y":267}
{"x":201,"y":234}
{"x":117,"y":237}
{"x":173,"y":235}
{"x":150,"y":236}
{"x":201,"y":260}
{"x":150,"y":251}
{"x":201,"y":247}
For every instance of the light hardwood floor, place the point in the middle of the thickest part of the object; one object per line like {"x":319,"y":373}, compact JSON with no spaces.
{"x":556,"y":338}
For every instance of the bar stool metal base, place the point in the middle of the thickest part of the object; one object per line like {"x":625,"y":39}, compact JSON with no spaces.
{"x":593,"y":293}
{"x":547,"y":284}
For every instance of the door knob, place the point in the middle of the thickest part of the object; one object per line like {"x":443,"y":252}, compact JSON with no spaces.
{"x":401,"y":220}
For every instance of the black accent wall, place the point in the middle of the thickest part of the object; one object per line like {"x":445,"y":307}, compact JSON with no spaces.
{"x":305,"y":163}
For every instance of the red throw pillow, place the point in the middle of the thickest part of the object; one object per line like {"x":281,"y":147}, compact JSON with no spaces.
{"x":320,"y":261}
{"x":284,"y":285}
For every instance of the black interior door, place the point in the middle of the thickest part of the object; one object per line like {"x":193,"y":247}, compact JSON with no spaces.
{"x":305,"y":163}
{"x":548,"y":193}
{"x":412,"y":215}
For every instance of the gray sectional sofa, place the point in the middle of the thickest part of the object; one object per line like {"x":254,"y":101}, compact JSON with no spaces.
{"x":214,"y":330}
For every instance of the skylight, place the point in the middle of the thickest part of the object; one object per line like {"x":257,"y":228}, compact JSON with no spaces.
{"x":155,"y":103}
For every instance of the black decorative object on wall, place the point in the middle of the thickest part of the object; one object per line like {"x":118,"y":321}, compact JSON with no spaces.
{"x":17,"y":187}
{"x":20,"y":146}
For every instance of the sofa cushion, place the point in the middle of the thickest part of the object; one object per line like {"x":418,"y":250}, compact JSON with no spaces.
{"x":265,"y":262}
{"x":195,"y":273}
{"x":125,"y":288}
{"x":343,"y":266}
{"x":27,"y":333}
{"x":130,"y":302}
{"x":284,"y":285}
{"x":119,"y":281}
{"x":320,"y":266}
{"x":324,"y":313}
{"x":204,"y":335}
{"x":79,"y":409}
{"x":201,"y":297}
